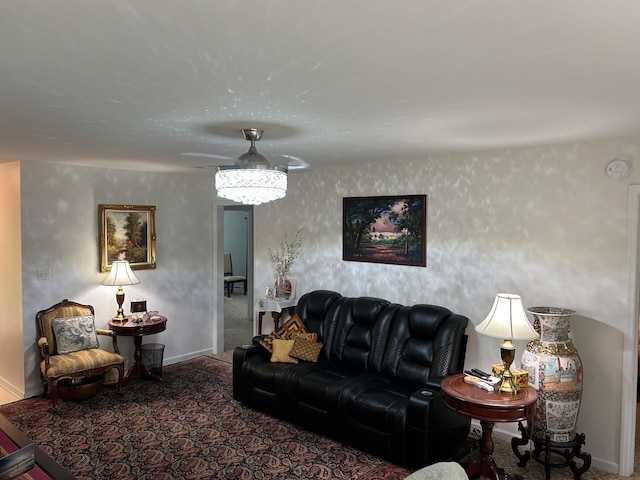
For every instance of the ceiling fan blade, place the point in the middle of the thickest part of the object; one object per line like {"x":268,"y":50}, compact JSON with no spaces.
{"x":295,"y":163}
{"x":291,"y":161}
{"x":208,"y":155}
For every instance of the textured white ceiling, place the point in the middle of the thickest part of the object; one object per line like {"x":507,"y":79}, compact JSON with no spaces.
{"x":146,"y":84}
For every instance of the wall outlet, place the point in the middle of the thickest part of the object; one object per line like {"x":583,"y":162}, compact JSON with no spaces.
{"x":43,"y":274}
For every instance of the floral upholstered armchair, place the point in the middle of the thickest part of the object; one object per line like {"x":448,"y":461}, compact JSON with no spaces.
{"x":69,"y":347}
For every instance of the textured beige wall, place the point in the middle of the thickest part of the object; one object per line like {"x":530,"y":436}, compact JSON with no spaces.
{"x":545,"y":223}
{"x":60,"y":232}
{"x":11,"y":367}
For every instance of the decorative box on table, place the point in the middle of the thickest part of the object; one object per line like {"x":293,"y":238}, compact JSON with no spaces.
{"x":520,"y":377}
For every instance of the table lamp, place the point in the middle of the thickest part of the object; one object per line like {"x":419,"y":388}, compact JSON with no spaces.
{"x":508,"y":320}
{"x":121,"y":274}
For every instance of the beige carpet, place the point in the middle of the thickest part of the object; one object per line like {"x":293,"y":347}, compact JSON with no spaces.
{"x":533,"y":470}
{"x":238,"y":326}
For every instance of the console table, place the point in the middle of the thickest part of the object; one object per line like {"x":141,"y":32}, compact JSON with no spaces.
{"x":488,"y":407}
{"x":276,"y":306}
{"x":137,"y":330}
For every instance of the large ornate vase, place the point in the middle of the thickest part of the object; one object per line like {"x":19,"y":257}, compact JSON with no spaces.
{"x":555,"y":371}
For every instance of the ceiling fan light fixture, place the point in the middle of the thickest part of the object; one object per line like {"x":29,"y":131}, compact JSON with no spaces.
{"x":251,"y":184}
{"x":251,"y":180}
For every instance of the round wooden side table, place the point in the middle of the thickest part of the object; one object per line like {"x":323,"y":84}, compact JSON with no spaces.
{"x":130,"y":328}
{"x":489,"y":408}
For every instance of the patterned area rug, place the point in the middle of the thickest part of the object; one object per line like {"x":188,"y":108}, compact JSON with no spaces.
{"x":186,"y":427}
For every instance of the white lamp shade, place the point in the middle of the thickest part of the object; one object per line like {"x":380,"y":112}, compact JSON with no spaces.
{"x":251,"y":184}
{"x":507,"y":319}
{"x":121,"y":274}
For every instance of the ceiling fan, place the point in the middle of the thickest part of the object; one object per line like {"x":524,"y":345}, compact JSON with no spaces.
{"x":252,"y":156}
{"x":251,"y":180}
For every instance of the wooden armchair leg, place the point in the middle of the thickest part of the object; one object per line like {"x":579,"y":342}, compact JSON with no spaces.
{"x":120,"y":379}
{"x":54,"y":394}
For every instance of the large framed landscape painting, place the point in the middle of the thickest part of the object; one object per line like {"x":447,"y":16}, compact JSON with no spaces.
{"x":385,"y":229}
{"x":127,"y":232}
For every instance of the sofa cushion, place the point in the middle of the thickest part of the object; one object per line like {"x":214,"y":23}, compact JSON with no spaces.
{"x":377,"y":416}
{"x":424,"y":344}
{"x":319,"y":310}
{"x":75,"y":333}
{"x":80,"y":360}
{"x":361,"y":333}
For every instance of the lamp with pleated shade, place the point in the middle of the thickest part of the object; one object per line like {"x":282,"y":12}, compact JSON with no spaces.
{"x":508,"y":320}
{"x":120,"y":275}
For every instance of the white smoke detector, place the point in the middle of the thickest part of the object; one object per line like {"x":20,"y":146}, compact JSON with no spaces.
{"x":618,"y":169}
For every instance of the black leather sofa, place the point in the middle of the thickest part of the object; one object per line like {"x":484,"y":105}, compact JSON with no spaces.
{"x":376,"y":384}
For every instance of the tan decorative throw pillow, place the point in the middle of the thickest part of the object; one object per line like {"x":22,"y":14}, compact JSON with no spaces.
{"x":267,"y":342}
{"x":308,"y":336}
{"x":291,"y":327}
{"x":288,"y":329}
{"x":281,"y":349}
{"x":305,"y":348}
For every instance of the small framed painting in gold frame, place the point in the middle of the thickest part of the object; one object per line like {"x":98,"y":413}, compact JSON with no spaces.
{"x":127,"y":232}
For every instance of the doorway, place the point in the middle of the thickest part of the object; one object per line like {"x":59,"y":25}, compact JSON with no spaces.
{"x":238,"y":241}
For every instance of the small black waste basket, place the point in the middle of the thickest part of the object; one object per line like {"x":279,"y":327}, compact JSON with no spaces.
{"x":152,"y":354}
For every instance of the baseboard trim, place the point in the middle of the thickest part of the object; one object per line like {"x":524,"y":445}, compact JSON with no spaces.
{"x":11,"y":388}
{"x":186,"y":356}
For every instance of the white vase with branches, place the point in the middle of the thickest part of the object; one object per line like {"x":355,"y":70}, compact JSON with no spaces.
{"x":283,"y":258}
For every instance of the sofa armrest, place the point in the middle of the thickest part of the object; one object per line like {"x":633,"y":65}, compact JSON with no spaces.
{"x":244,"y":355}
{"x":435,"y":382}
{"x":245,"y":352}
{"x":434,"y":431}
{"x":258,"y":338}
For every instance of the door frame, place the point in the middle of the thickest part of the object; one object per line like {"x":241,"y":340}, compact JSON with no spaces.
{"x":218,"y":323}
{"x":630,"y":340}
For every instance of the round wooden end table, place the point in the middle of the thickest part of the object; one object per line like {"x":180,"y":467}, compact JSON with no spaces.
{"x":130,"y":328}
{"x":489,"y":408}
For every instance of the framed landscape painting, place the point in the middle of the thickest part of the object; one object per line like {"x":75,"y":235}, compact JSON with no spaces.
{"x":127,"y":232}
{"x":386,"y":229}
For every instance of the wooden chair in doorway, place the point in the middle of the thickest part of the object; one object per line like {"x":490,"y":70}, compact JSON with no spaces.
{"x":230,"y":278}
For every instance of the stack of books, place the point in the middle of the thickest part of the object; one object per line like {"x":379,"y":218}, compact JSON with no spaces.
{"x":480,"y":379}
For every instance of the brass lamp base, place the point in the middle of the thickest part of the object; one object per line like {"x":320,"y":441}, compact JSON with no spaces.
{"x":507,"y":353}
{"x":120,"y":313}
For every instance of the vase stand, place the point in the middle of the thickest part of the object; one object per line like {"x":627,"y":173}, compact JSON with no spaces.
{"x":552,"y":454}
